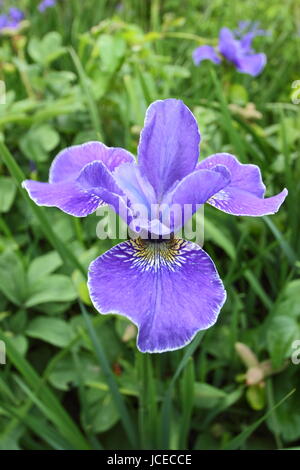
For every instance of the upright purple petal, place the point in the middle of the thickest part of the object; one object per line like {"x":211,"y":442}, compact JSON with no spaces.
{"x":205,"y":53}
{"x":244,"y":195}
{"x":69,"y":162}
{"x":228,"y":45}
{"x":170,"y":290}
{"x":136,"y":187}
{"x":169,"y":144}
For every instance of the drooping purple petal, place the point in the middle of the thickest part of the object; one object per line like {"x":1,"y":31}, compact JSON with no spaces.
{"x":69,"y":162}
{"x":169,"y":144}
{"x":252,"y":64}
{"x":244,"y":195}
{"x":239,"y":202}
{"x":205,"y":53}
{"x":170,"y":290}
{"x":94,"y":186}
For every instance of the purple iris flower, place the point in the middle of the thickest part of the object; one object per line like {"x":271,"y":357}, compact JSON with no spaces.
{"x":12,"y":19}
{"x":16,"y":14}
{"x":168,"y":287}
{"x":236,"y":48}
{"x":46,"y":4}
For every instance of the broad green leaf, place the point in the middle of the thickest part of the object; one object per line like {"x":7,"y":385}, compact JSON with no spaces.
{"x":12,"y":277}
{"x":282,"y":331}
{"x":51,"y":330}
{"x":46,"y":50}
{"x":43,"y":265}
{"x":102,"y":410}
{"x":54,"y":288}
{"x":207,"y":396}
{"x":38,"y":142}
{"x":111,"y":51}
{"x":7,"y":193}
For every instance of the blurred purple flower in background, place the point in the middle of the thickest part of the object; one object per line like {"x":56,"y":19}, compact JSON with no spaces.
{"x":236,"y":47}
{"x":170,"y":287}
{"x":45,"y":4}
{"x":12,"y":19}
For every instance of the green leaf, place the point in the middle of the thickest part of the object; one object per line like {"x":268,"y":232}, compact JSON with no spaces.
{"x":12,"y":278}
{"x":51,"y":330}
{"x":282,"y":331}
{"x":43,"y":265}
{"x":207,"y":396}
{"x":46,"y":50}
{"x":38,"y":142}
{"x":54,"y":288}
{"x":111,"y":51}
{"x":64,"y":375}
{"x":102,"y":410}
{"x":7,"y":193}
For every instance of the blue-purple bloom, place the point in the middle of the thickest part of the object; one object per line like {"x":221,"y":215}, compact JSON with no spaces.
{"x":12,"y":19}
{"x":236,"y":47}
{"x":169,"y":288}
{"x":45,"y":4}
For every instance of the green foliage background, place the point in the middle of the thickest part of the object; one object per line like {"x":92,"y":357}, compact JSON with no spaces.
{"x":73,"y":378}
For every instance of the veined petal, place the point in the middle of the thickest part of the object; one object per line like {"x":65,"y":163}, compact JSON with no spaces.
{"x":169,"y":289}
{"x":169,"y":144}
{"x":136,"y":187}
{"x":205,"y":53}
{"x":68,"y":197}
{"x":196,"y":189}
{"x":243,"y":176}
{"x":94,"y":186}
{"x":244,"y":195}
{"x":69,"y":162}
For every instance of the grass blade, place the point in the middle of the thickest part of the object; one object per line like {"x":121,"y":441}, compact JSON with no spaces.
{"x":240,"y":439}
{"x":116,"y":395}
{"x":167,"y":401}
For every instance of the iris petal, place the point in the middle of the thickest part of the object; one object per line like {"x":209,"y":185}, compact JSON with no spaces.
{"x":169,"y":289}
{"x":69,"y":162}
{"x":244,"y":195}
{"x":205,"y":53}
{"x":169,"y":144}
{"x":94,"y":186}
{"x":252,"y":64}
